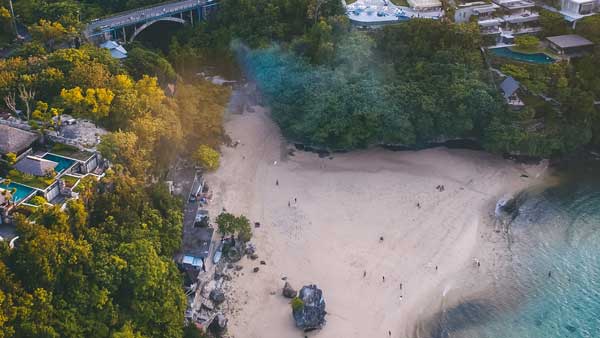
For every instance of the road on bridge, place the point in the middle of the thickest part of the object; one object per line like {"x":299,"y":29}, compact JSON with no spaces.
{"x":142,"y":15}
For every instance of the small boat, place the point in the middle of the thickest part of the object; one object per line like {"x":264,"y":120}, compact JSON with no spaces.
{"x":218,"y":253}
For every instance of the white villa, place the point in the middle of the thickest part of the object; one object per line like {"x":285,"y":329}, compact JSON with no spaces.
{"x":501,"y":18}
{"x":574,"y":10}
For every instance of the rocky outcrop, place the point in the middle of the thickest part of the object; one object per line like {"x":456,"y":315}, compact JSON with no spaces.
{"x":217,"y":296}
{"x":289,"y":291}
{"x":218,"y":325}
{"x":309,"y":311}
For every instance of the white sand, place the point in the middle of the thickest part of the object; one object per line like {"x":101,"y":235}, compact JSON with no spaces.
{"x":331,"y":235}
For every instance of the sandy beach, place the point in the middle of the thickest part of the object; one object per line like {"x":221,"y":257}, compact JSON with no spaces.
{"x":329,"y":234}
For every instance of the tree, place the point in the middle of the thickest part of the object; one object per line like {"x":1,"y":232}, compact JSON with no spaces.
{"x":527,"y":42}
{"x":51,"y":33}
{"x":11,"y":158}
{"x":207,"y":157}
{"x":230,"y":224}
{"x":95,"y":104}
{"x":552,"y":23}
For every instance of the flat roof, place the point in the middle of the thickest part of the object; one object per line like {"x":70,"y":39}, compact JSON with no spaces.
{"x":424,"y":3}
{"x":569,"y":41}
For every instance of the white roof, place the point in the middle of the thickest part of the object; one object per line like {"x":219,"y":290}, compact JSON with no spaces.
{"x":116,"y":51}
{"x":424,"y":3}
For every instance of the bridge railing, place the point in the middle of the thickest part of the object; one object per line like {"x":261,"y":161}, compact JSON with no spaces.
{"x":135,"y":10}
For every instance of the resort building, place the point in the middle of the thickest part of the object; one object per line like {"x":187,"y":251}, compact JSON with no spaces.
{"x":509,"y":88}
{"x":501,"y":19}
{"x":36,"y":166}
{"x":377,"y":13}
{"x":14,"y":140}
{"x":569,"y":46}
{"x":574,"y":10}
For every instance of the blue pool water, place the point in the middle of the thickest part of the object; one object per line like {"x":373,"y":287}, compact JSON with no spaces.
{"x":21,"y":193}
{"x":63,"y":163}
{"x":539,"y":58}
{"x":553,"y":288}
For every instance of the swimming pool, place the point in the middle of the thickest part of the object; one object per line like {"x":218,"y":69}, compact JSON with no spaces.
{"x":63,"y":162}
{"x":21,"y":193}
{"x":539,"y":58}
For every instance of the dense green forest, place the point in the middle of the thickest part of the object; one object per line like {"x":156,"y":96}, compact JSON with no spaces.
{"x":104,"y":266}
{"x":411,"y":84}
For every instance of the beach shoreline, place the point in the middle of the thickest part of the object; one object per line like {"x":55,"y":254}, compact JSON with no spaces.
{"x":322,"y":219}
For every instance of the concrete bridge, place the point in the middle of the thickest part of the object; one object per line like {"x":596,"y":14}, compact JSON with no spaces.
{"x":126,"y":26}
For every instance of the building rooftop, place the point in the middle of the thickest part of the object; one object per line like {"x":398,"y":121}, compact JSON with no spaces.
{"x":116,"y":51}
{"x":424,"y":3}
{"x":198,"y":242}
{"x":35,"y":166}
{"x":569,"y":41}
{"x":509,"y":86}
{"x":13,"y":140}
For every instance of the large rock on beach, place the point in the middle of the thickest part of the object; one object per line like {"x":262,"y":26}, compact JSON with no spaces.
{"x":311,"y":314}
{"x":289,"y":291}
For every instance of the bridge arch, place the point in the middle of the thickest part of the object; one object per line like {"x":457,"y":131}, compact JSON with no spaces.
{"x":140,"y":29}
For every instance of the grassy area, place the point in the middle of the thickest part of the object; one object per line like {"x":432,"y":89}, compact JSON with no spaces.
{"x":70,"y":151}
{"x":30,"y":180}
{"x":69,"y":180}
{"x":350,"y":2}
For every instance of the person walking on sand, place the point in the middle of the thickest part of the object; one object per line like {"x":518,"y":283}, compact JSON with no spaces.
{"x":383,"y":278}
{"x":289,"y":204}
{"x":389,"y":333}
{"x":277,"y":182}
{"x":295,"y":200}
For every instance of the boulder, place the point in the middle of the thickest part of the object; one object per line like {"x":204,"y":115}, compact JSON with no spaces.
{"x":310,"y":313}
{"x":218,"y":325}
{"x":256,"y":269}
{"x":253,"y":256}
{"x":217,"y":296}
{"x":234,"y":254}
{"x":289,"y":291}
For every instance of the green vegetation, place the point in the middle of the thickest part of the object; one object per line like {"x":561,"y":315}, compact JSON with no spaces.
{"x":70,"y":151}
{"x":37,"y":201}
{"x":297,"y":304}
{"x":207,"y":157}
{"x":230,"y":225}
{"x":409,"y":84}
{"x":40,"y":182}
{"x":527,"y":43}
{"x":69,"y":180}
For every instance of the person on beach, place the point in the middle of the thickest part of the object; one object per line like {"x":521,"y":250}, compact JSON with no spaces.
{"x":436,"y":268}
{"x":418,"y":205}
{"x":289,"y":204}
{"x":295,"y":200}
{"x":381,"y":238}
{"x":277,"y":182}
{"x":364,"y":273}
{"x":390,"y":333}
{"x":383,"y":278}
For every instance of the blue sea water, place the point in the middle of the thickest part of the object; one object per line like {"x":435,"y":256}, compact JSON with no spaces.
{"x":554,"y":288}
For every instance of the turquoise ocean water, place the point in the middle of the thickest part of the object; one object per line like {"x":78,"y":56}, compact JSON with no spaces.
{"x":554,"y":287}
